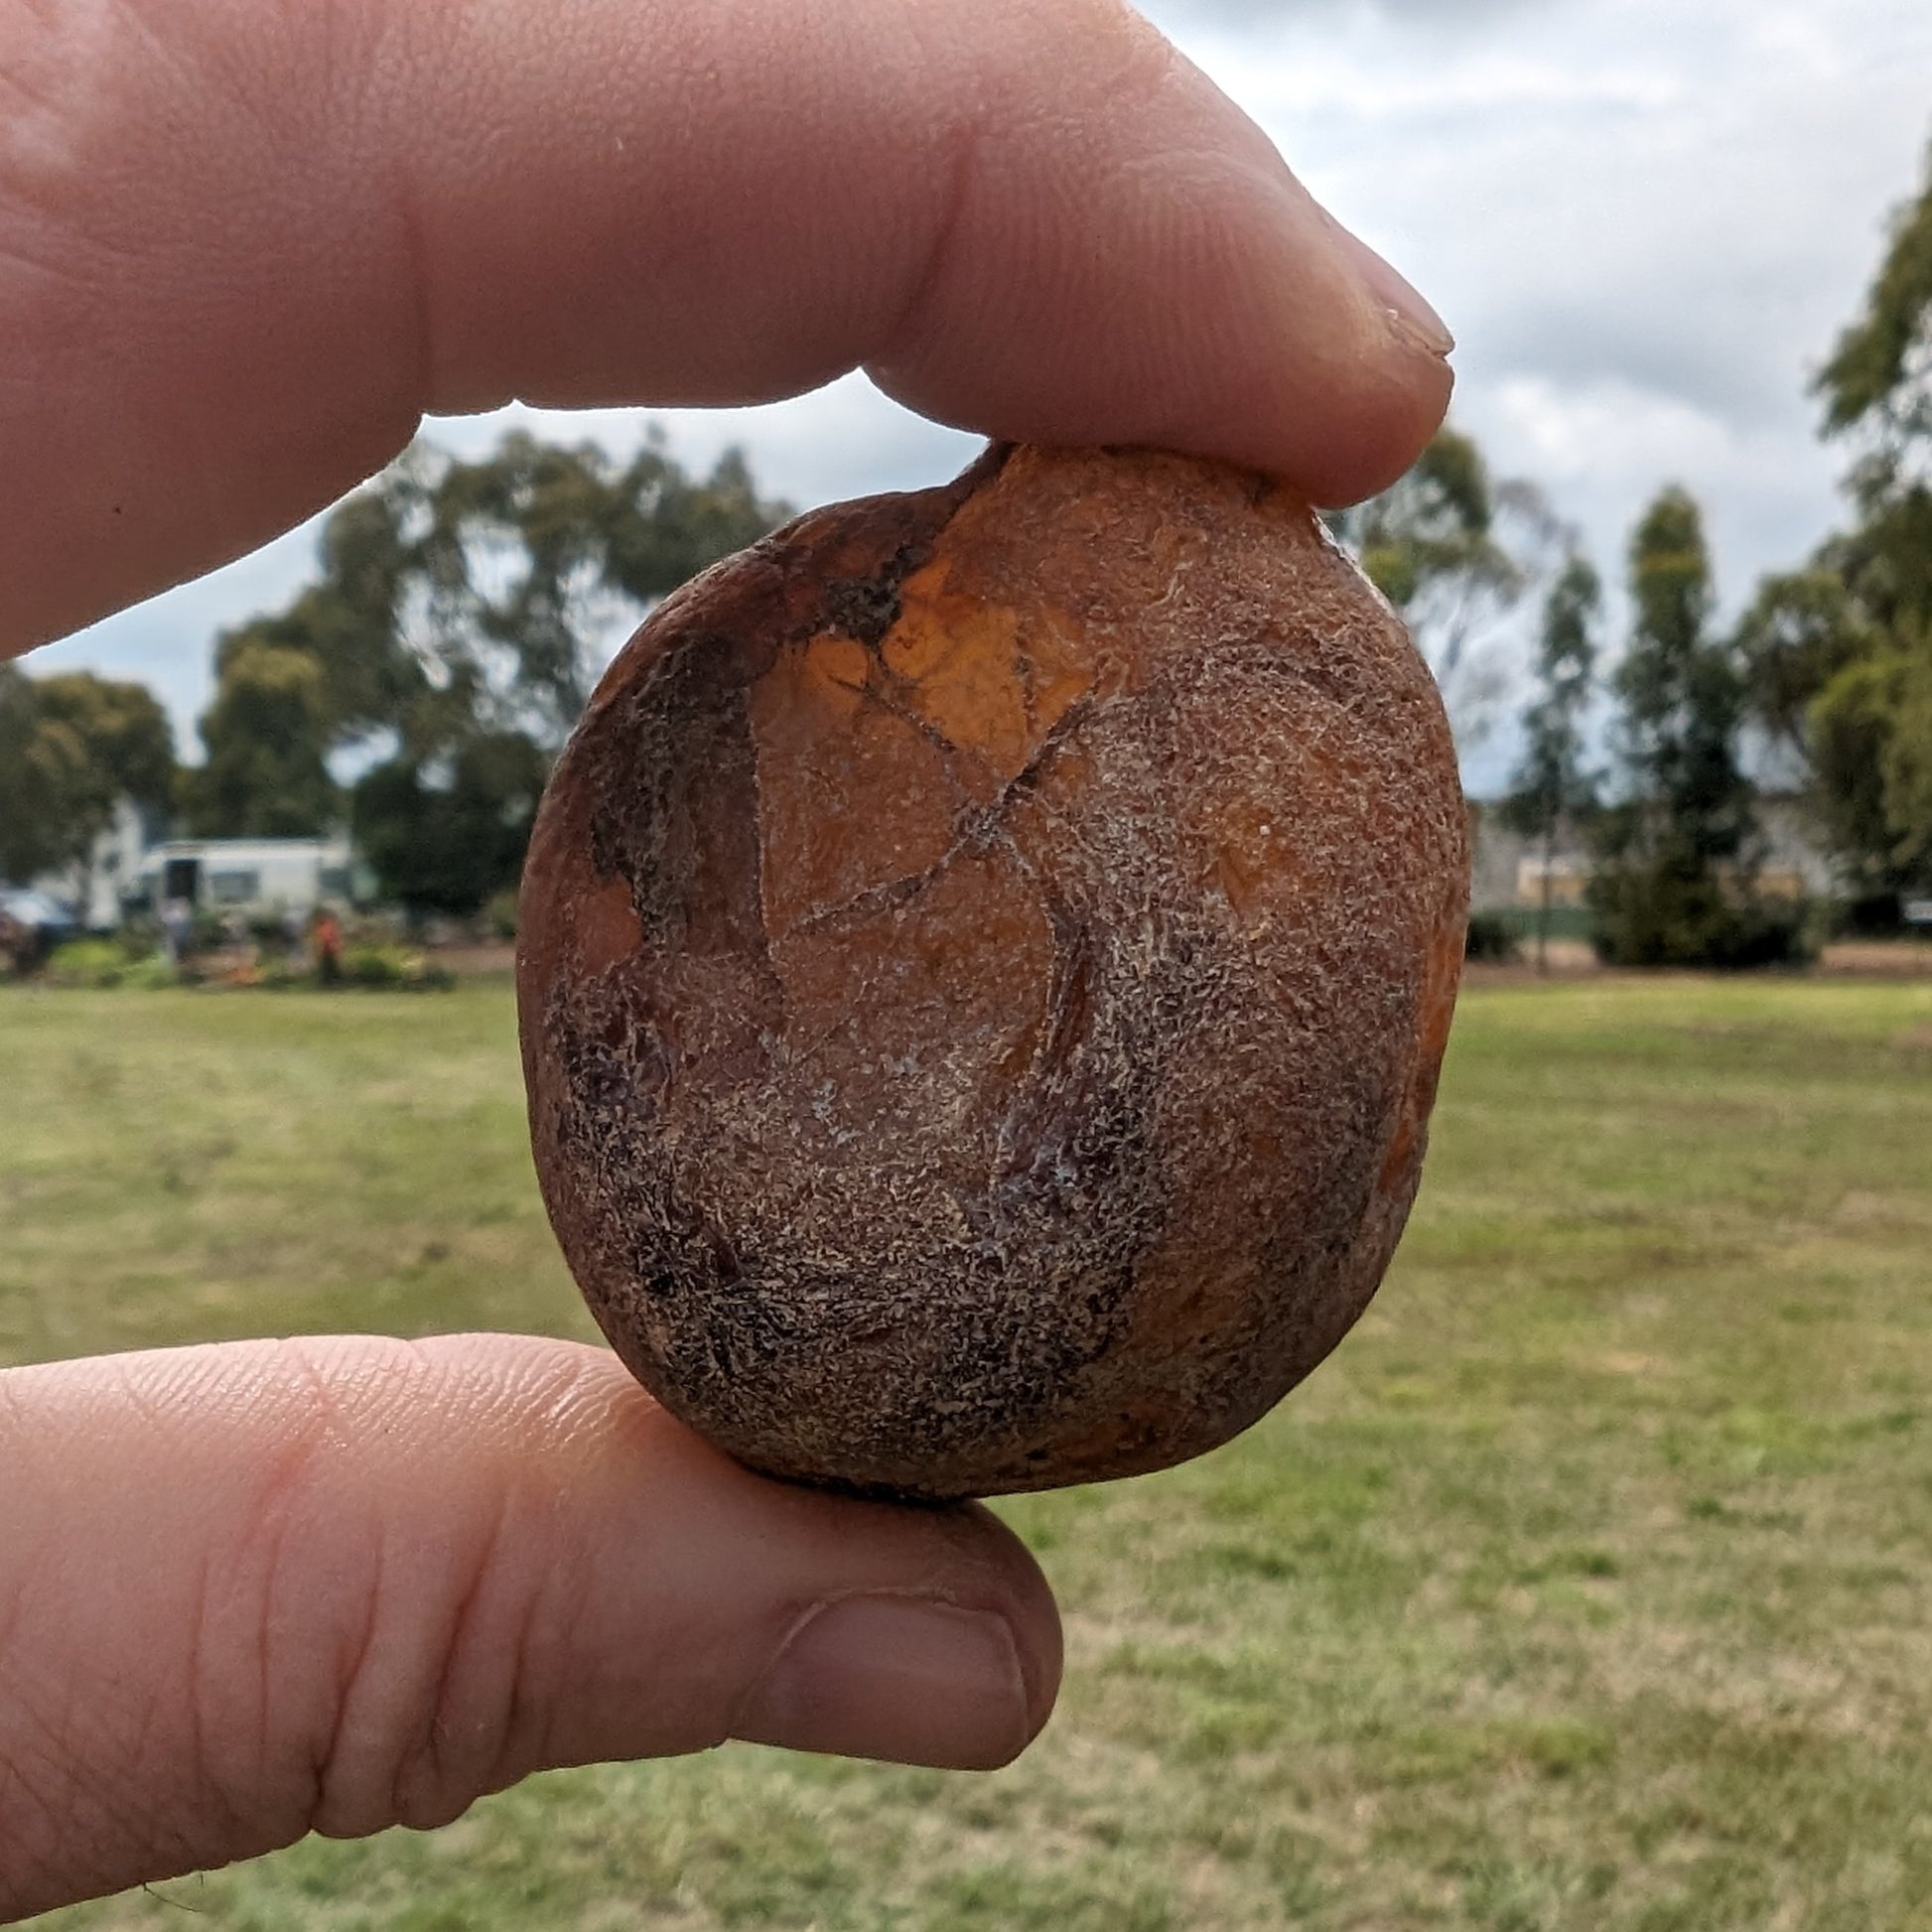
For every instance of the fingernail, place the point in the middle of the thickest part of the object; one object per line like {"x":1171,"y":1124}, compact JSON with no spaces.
{"x":1412,"y":316}
{"x":897,"y":1677}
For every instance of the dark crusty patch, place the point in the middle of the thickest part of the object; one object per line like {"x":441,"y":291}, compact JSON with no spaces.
{"x":986,"y":960}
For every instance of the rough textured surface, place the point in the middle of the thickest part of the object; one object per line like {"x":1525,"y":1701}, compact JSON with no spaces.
{"x":986,"y":958}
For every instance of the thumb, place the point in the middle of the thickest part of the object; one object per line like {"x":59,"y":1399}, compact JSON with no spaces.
{"x":256,"y":1590}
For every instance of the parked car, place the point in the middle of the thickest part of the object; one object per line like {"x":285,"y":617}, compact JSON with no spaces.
{"x":31,"y":926}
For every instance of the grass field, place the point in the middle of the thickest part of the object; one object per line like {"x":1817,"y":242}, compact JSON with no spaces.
{"x":1589,"y":1587}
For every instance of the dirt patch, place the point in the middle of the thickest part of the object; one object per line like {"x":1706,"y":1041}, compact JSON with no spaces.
{"x":1879,"y":958}
{"x":475,"y":962}
{"x":1567,"y":959}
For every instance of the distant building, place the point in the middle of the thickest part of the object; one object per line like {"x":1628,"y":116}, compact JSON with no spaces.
{"x":93,"y":892}
{"x":1506,"y":864}
{"x":251,"y":877}
{"x":1561,"y":880}
{"x":1793,"y":864}
{"x":1509,"y":869}
{"x":135,"y":868}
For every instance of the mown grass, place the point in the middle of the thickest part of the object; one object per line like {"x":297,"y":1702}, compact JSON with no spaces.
{"x":1590,"y":1586}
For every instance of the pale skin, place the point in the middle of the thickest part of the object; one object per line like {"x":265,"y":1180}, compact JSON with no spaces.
{"x":252,"y":1592}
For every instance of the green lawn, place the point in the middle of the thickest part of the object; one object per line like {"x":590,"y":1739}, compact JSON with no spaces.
{"x":1590,"y":1586}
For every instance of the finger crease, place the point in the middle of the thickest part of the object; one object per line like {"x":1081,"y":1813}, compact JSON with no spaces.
{"x":432,"y":1765}
{"x":961,"y":150}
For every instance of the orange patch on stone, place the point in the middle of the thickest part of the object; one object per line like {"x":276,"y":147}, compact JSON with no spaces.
{"x":851,"y":793}
{"x":990,"y":683}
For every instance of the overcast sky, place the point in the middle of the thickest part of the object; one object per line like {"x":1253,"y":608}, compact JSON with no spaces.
{"x":1645,"y":219}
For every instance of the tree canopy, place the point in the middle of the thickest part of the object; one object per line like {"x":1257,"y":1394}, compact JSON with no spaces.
{"x":1838,"y":656}
{"x":1677,"y":850}
{"x":72,"y":747}
{"x":1552,"y":782}
{"x":1456,"y":551}
{"x":1681,"y":699}
{"x":447,"y":838}
{"x":267,"y":739}
{"x":1881,"y":372}
{"x":1551,"y":788}
{"x":461,"y":612}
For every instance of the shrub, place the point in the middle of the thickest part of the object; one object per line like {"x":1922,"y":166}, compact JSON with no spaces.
{"x":1490,"y":936}
{"x":99,"y":965}
{"x":1871,"y":916}
{"x":379,"y":968}
{"x":500,"y":915}
{"x":150,"y":974}
{"x":1661,"y":915}
{"x":90,"y":963}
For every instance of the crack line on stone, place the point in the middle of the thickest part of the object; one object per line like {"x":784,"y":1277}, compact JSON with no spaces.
{"x":976,"y":828}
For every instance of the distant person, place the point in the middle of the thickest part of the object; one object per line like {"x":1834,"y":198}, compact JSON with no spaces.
{"x":177,"y":930}
{"x":328,"y":948}
{"x":253,"y":1590}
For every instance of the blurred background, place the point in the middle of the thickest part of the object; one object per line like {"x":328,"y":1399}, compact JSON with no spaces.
{"x":1680,"y":247}
{"x":1586,"y":1585}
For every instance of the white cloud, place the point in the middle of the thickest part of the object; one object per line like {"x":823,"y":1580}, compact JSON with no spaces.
{"x":1180,"y":17}
{"x":839,"y":440}
{"x":166,"y":642}
{"x":1647,"y":219}
{"x":1604,"y":449}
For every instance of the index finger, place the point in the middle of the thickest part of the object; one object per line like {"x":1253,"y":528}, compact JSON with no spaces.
{"x":244,"y":244}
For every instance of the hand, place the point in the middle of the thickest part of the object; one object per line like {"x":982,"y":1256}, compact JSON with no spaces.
{"x":252,"y":1591}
